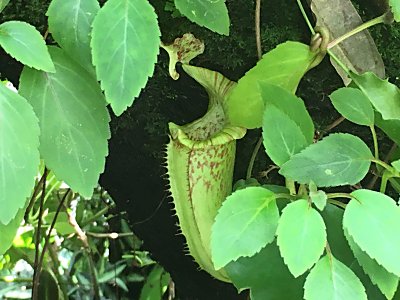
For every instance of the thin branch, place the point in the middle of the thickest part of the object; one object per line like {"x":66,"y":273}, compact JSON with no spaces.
{"x":53,"y":223}
{"x":257,"y":28}
{"x":36,"y":271}
{"x":253,"y":158}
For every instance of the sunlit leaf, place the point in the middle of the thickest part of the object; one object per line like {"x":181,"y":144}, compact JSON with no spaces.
{"x":23,"y":42}
{"x":372,"y":220}
{"x":330,"y":279}
{"x":125,"y":44}
{"x":211,"y":14}
{"x":338,"y":159}
{"x":19,"y":154}
{"x":73,"y":120}
{"x":287,"y":126}
{"x":283,"y":66}
{"x":70,"y":25}
{"x":9,"y":231}
{"x":301,"y":236}
{"x":383,"y":95}
{"x":387,"y":282}
{"x":3,"y":4}
{"x":245,"y":223}
{"x":395,"y":8}
{"x":353,"y":105}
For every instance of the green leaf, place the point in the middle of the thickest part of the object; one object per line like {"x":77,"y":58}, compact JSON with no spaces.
{"x":266,"y":275}
{"x":19,"y":155}
{"x":211,"y":14}
{"x":287,"y":126}
{"x":319,"y":199}
{"x":9,"y":231}
{"x":283,"y":66}
{"x":48,"y":288}
{"x":301,"y":236}
{"x":390,"y":127}
{"x":155,"y":285}
{"x":23,"y":42}
{"x":330,"y":280}
{"x":387,"y":282}
{"x":125,"y":44}
{"x":338,"y":159}
{"x":383,"y":95}
{"x":353,"y":105}
{"x":70,"y":25}
{"x":372,"y":220}
{"x":282,"y":137}
{"x":395,"y":8}
{"x":396,"y":165}
{"x":245,"y":223}
{"x":3,"y":4}
{"x":73,"y":120}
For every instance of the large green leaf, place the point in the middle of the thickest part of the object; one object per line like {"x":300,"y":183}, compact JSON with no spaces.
{"x":338,"y":159}
{"x":390,"y":127}
{"x":9,"y":231}
{"x":283,"y":66}
{"x":23,"y":42}
{"x":332,"y":280}
{"x":73,"y":120}
{"x":266,"y":275}
{"x":383,"y":95}
{"x":19,"y":154}
{"x":245,"y":223}
{"x":353,"y":105}
{"x":395,"y":7}
{"x":301,"y":236}
{"x":287,"y":126}
{"x":211,"y":14}
{"x":70,"y":25}
{"x":125,"y":44}
{"x":372,"y":220}
{"x":387,"y":282}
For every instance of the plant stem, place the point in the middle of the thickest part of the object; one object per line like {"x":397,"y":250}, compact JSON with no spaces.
{"x":384,"y":181}
{"x":53,"y":223}
{"x":375,"y":139}
{"x":339,"y":195}
{"x":337,"y":203}
{"x":98,"y":214}
{"x":303,"y":12}
{"x":253,"y":158}
{"x":334,"y":124}
{"x":111,"y":235}
{"x":257,"y":28}
{"x":356,"y":30}
{"x":338,"y":61}
{"x":291,"y":186}
{"x":384,"y":165}
{"x":36,"y":270}
{"x":33,"y":197}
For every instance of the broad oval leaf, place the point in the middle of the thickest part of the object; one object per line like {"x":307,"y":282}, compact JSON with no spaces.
{"x":70,"y":25}
{"x":287,"y":126}
{"x":383,"y":95}
{"x":283,"y":66}
{"x":301,"y":236}
{"x":353,"y":105}
{"x":73,"y":120}
{"x":395,"y":8}
{"x":19,"y":154}
{"x":125,"y":44}
{"x":332,"y":280}
{"x":9,"y":231}
{"x":211,"y":14}
{"x":372,"y":220}
{"x":23,"y":42}
{"x":387,"y":282}
{"x":245,"y":223}
{"x":282,"y":137}
{"x":266,"y":275}
{"x":338,"y":159}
